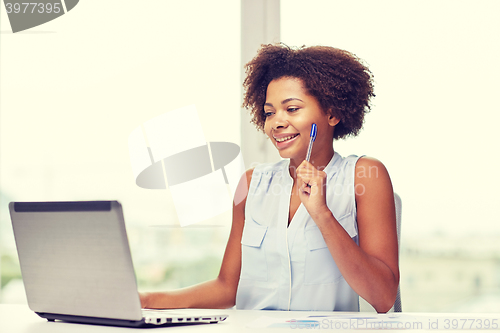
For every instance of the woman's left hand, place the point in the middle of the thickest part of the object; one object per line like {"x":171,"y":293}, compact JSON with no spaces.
{"x":311,"y":183}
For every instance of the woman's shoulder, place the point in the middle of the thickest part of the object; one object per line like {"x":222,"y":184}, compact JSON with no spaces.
{"x":362,"y":165}
{"x":371,"y":176}
{"x":369,"y":167}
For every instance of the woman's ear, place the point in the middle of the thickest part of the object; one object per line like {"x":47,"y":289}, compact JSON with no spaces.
{"x":332,"y":120}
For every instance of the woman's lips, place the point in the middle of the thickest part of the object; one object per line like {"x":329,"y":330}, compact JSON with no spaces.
{"x":286,"y":143}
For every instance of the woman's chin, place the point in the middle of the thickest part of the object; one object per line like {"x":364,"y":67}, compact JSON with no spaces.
{"x":287,"y":154}
{"x":283,"y":153}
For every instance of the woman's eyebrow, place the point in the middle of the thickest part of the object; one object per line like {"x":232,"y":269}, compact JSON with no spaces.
{"x":291,"y":99}
{"x":284,"y":101}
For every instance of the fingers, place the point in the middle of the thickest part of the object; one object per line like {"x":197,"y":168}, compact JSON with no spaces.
{"x":144,"y":300}
{"x":305,"y":188}
{"x":305,"y":171}
{"x":310,"y":187}
{"x":311,"y":183}
{"x":309,"y":176}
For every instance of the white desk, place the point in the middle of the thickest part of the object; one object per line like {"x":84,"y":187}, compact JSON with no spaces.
{"x":20,"y":319}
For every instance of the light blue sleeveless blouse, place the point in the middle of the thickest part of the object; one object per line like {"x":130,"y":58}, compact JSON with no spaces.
{"x":291,"y":268}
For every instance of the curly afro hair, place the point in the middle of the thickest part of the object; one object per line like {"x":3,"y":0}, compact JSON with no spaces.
{"x":339,"y":80}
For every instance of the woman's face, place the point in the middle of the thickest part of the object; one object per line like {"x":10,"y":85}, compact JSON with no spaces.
{"x":290,"y":111}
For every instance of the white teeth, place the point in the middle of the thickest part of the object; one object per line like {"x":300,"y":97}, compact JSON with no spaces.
{"x":286,"y":138}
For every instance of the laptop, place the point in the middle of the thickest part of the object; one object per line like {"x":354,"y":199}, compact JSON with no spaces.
{"x":76,"y":266}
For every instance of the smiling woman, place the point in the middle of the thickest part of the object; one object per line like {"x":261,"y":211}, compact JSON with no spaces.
{"x":305,"y":238}
{"x":348,"y":225}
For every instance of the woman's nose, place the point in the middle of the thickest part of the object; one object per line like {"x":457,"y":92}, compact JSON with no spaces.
{"x":279,"y":120}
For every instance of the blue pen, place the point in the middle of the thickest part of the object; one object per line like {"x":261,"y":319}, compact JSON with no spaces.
{"x":314,"y":131}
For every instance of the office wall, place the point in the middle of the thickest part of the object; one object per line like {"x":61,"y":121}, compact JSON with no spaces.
{"x":74,"y":88}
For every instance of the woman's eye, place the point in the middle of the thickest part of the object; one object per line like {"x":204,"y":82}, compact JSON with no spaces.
{"x":268,"y":114}
{"x":292,"y":109}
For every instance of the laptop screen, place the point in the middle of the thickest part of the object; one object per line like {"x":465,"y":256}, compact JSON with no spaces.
{"x":75,"y":258}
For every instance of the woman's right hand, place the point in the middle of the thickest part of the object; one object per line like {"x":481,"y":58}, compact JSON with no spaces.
{"x":151,"y":300}
{"x":159,"y":300}
{"x":144,"y":297}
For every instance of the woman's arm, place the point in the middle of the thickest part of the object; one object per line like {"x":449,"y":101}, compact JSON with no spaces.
{"x":220,"y":292}
{"x":371,"y":268}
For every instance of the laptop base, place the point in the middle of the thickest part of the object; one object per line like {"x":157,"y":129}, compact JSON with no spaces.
{"x":112,"y":322}
{"x":93,"y":320}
